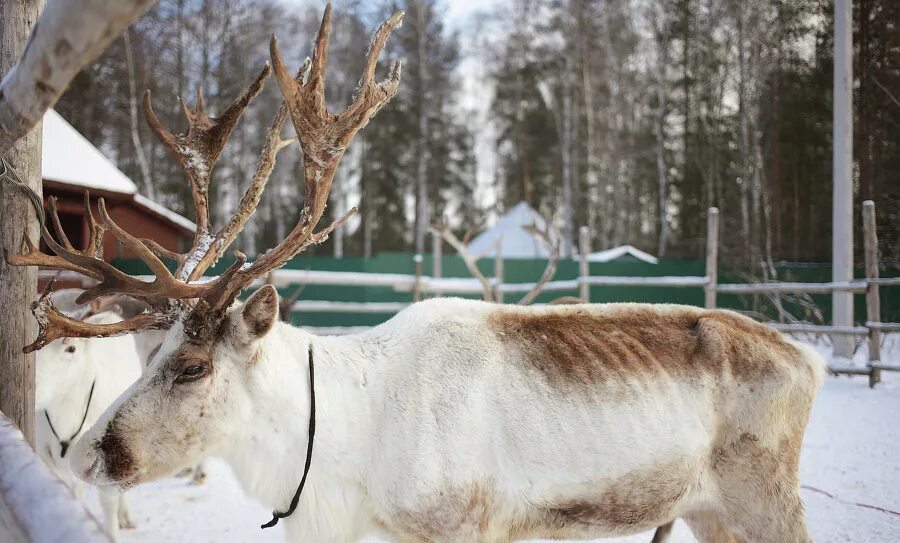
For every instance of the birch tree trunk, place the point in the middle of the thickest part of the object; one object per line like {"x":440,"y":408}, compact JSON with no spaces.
{"x":659,"y":130}
{"x":568,"y":229}
{"x":71,"y":34}
{"x":133,"y":118}
{"x":746,"y":159}
{"x":422,"y":146}
{"x":18,"y":285}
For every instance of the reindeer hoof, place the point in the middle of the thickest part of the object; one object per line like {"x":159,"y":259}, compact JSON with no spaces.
{"x":199,"y":477}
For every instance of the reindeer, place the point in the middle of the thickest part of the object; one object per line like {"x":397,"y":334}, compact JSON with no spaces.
{"x":456,"y":420}
{"x":76,"y":380}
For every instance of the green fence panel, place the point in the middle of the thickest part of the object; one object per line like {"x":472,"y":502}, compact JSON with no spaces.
{"x":816,"y":307}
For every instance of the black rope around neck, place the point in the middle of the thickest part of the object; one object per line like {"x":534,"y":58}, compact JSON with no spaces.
{"x":64,"y":444}
{"x":276,"y":516}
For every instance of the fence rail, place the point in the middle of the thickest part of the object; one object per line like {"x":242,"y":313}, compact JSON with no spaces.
{"x":35,"y":505}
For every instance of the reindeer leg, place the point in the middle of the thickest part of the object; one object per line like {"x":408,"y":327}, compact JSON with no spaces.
{"x":125,"y":522}
{"x":663,"y":532}
{"x":109,"y":501}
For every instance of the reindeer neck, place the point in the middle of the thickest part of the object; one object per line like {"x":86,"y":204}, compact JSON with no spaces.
{"x":68,"y":405}
{"x":268,"y":452}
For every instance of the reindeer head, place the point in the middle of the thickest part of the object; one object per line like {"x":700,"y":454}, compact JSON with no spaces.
{"x":177,"y":410}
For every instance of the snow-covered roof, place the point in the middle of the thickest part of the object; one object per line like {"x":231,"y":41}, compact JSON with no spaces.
{"x":516,"y":243}
{"x":620,"y":251}
{"x":68,"y":157}
{"x":163,"y":211}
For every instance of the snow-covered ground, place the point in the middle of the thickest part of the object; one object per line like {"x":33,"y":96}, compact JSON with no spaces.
{"x":851,"y":450}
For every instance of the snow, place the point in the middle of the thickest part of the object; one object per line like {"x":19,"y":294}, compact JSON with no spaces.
{"x":194,"y":258}
{"x":68,"y":157}
{"x":38,"y":501}
{"x":620,"y":251}
{"x":849,"y":451}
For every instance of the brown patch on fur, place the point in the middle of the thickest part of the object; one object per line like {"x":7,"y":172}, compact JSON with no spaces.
{"x":588,"y":344}
{"x":117,"y":458}
{"x":568,"y":300}
{"x":464,"y":511}
{"x":190,"y":354}
{"x":640,"y":500}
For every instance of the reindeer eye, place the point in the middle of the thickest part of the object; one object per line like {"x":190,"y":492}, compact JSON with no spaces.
{"x":70,"y":349}
{"x":191,"y":373}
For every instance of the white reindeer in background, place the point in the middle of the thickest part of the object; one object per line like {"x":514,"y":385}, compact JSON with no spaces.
{"x":76,"y":380}
{"x":457,"y":420}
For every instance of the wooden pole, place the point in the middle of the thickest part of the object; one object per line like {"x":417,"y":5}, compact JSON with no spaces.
{"x":842,"y":206}
{"x":498,"y":271}
{"x":712,"y":257}
{"x":873,"y":301}
{"x":18,"y":285}
{"x":584,"y":248}
{"x":417,"y":288}
{"x":437,"y":250}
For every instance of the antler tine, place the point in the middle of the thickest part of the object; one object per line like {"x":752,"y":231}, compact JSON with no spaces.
{"x":136,"y":245}
{"x":375,"y":47}
{"x":53,"y":325}
{"x":470,"y":261}
{"x":162,"y":252}
{"x":96,"y":230}
{"x":323,"y":138}
{"x":316,"y":81}
{"x":369,"y":96}
{"x":57,"y":225}
{"x":247,"y":206}
{"x":198,"y":148}
{"x":29,"y":255}
{"x":552,"y":242}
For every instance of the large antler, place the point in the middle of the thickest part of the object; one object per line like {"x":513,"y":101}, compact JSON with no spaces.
{"x":323,"y":136}
{"x":471,"y":261}
{"x":197,"y":150}
{"x":550,"y":239}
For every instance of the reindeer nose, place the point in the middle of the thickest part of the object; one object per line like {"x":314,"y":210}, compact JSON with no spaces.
{"x":64,"y":448}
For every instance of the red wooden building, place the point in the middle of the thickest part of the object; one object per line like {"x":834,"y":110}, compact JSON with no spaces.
{"x":70,"y":164}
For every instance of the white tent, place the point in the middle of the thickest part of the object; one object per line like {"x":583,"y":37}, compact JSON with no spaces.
{"x":618,"y":252}
{"x":516,"y":242}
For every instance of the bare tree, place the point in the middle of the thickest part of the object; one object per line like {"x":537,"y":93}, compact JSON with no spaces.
{"x":66,"y":37}
{"x":146,"y":176}
{"x":661,"y":39}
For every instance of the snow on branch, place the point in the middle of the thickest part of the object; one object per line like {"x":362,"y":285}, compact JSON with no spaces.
{"x":68,"y":35}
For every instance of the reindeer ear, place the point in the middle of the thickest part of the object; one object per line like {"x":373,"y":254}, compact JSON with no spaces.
{"x":260,"y":311}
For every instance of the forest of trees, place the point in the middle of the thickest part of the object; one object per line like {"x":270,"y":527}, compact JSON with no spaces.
{"x":629,"y":116}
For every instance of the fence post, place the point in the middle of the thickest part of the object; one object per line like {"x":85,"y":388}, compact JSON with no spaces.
{"x":873,"y":300}
{"x":584,"y":248}
{"x":498,"y":271}
{"x":712,"y":257}
{"x":437,"y":249}
{"x":417,"y":292}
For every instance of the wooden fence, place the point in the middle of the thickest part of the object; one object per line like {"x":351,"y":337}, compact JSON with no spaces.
{"x":418,"y":286}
